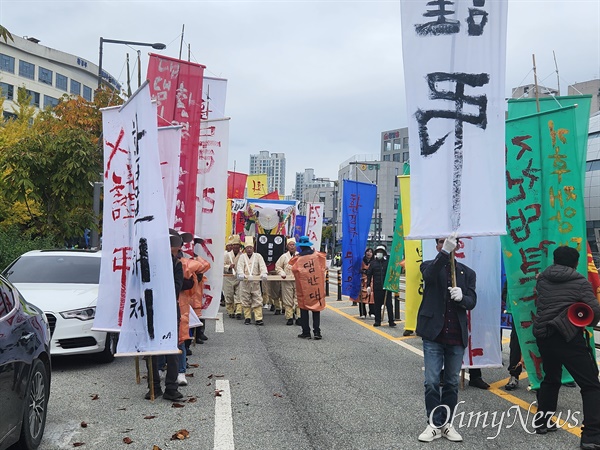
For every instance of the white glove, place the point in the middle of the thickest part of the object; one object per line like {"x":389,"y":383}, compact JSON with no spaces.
{"x":263,"y":277}
{"x":450,"y":243}
{"x":369,"y":290}
{"x":455,"y":293}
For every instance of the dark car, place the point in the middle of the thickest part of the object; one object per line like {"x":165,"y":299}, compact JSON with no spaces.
{"x":24,"y":370}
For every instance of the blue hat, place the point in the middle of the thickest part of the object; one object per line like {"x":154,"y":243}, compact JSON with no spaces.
{"x":304,"y":241}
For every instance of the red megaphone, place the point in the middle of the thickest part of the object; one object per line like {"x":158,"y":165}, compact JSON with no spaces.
{"x":580,"y":314}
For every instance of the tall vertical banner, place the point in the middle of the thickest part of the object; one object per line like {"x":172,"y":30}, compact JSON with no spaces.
{"x":358,"y":202}
{"x":454,"y":70}
{"x":413,"y":258}
{"x":544,"y":207}
{"x":136,"y":258}
{"x":212,"y":205}
{"x":314,"y":223}
{"x":214,"y":92}
{"x":256,"y":185}
{"x":394,"y":270}
{"x":169,"y":149}
{"x":300,"y":227}
{"x":177,"y":87}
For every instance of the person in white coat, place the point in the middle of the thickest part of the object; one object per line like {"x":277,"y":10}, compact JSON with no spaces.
{"x":288,"y":285}
{"x":250,"y":266}
{"x":231,"y":284}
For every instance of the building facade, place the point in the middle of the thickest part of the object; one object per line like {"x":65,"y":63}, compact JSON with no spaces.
{"x":592,"y":88}
{"x":273,"y":165}
{"x":46,"y":74}
{"x":592,"y":186}
{"x":394,"y":145}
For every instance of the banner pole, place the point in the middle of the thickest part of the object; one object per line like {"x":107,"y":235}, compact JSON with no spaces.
{"x":137,"y":370}
{"x":151,"y":377}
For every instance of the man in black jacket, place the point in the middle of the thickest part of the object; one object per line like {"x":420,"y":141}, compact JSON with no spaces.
{"x":562,"y":343}
{"x":442,"y":323}
{"x":376,"y":274}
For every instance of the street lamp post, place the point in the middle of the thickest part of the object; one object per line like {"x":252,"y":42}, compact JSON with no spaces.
{"x":156,"y":45}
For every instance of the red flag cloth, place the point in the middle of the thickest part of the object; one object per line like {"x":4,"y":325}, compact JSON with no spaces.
{"x":177,"y":87}
{"x":236,"y":184}
{"x":309,"y":273}
{"x":271,"y":196}
{"x":593,"y":277}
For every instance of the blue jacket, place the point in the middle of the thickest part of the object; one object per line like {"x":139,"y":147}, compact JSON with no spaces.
{"x":430,"y":319}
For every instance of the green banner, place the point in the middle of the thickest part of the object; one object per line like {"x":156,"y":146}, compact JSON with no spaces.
{"x":394,"y":270}
{"x":544,"y":209}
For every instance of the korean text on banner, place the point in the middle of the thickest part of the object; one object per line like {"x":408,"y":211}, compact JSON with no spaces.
{"x":358,"y":202}
{"x":236,"y":184}
{"x":544,"y":206}
{"x":256,"y":185}
{"x":177,"y":87}
{"x":212,"y":199}
{"x":169,"y":148}
{"x":309,"y":274}
{"x":413,"y":258}
{"x":299,"y":229}
{"x":139,"y":258}
{"x":314,"y":223}
{"x":214,"y":91}
{"x":454,"y":67}
{"x":394,"y":270}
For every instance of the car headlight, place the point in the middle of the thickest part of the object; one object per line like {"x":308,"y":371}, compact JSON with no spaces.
{"x":81,"y":314}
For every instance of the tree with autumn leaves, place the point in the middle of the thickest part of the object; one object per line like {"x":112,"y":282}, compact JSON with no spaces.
{"x":48,"y":161}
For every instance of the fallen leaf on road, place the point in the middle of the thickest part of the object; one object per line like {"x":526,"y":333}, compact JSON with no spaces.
{"x":194,"y":365}
{"x":94,"y":396}
{"x":180,"y":435}
{"x":83,"y":425}
{"x":177,"y":405}
{"x":218,"y":392}
{"x":78,"y":444}
{"x":210,"y":376}
{"x":122,"y":409}
{"x":208,"y":384}
{"x":233,"y":359}
{"x":189,"y":374}
{"x":127,"y":440}
{"x":150,"y":417}
{"x":192,"y":400}
{"x":156,"y":447}
{"x":219,"y":376}
{"x":277,"y":394}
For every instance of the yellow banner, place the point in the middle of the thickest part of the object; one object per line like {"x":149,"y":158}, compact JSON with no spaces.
{"x":256,"y":186}
{"x":413,"y":258}
{"x":228,"y":220}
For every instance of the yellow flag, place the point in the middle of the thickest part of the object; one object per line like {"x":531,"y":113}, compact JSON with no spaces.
{"x":256,"y":185}
{"x":413,"y":252}
{"x":228,"y":219}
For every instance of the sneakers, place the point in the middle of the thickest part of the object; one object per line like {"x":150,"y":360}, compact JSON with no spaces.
{"x":372,"y":316}
{"x":362,"y":317}
{"x":304,"y":336}
{"x":407,"y":333}
{"x":393,"y":325}
{"x":172,"y":394}
{"x":318,"y":336}
{"x":479,"y":383}
{"x":162,"y":374}
{"x":512,"y":384}
{"x":290,"y":322}
{"x":260,"y":322}
{"x":247,"y":322}
{"x":181,"y":380}
{"x":450,"y":433}
{"x":157,"y":393}
{"x":202,"y":337}
{"x":430,"y":434}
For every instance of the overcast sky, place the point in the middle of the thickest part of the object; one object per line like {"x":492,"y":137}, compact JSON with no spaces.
{"x":316,"y":80}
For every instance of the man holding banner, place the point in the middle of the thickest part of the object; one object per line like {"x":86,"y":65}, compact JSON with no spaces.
{"x":442,"y":323}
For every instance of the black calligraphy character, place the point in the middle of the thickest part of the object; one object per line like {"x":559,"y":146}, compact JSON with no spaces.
{"x":441,"y":25}
{"x":476,"y":28}
{"x":460,"y":99}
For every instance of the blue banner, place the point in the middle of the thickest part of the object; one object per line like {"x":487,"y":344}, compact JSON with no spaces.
{"x":357,"y":206}
{"x":300,"y":227}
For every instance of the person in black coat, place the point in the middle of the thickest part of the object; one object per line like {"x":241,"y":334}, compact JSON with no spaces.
{"x":442,"y":323}
{"x":376,"y":275}
{"x":560,"y":342}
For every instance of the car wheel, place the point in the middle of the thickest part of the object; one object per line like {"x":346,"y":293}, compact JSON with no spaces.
{"x":34,"y":417}
{"x":110,"y":348}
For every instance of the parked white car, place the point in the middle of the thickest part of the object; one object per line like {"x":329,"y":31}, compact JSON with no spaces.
{"x":64,"y":284}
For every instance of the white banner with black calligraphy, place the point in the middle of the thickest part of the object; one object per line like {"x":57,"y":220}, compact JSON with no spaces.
{"x":214,"y":92}
{"x":454,"y":70}
{"x":212,"y":207}
{"x":314,"y":223}
{"x":169,"y":150}
{"x":137,"y":256}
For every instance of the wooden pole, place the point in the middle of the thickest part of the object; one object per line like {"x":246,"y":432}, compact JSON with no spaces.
{"x":537,"y":95}
{"x":137,"y":370}
{"x":181,"y":42}
{"x":151,"y":377}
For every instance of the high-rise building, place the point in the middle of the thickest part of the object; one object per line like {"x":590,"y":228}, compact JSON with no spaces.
{"x":591,"y":87}
{"x":394,"y":145}
{"x":46,"y":74}
{"x":307,"y":180}
{"x":273,"y":165}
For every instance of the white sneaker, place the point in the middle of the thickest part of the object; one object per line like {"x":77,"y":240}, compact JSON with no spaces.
{"x":430,"y":434}
{"x":181,"y":380}
{"x":372,"y":316}
{"x":162,"y":374}
{"x":450,"y":433}
{"x":362,"y":317}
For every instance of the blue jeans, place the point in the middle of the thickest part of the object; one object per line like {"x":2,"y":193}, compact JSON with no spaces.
{"x":182,"y":360}
{"x":441,"y":402}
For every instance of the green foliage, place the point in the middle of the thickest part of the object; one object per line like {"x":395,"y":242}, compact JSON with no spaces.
{"x":5,"y":34}
{"x":14,"y":242}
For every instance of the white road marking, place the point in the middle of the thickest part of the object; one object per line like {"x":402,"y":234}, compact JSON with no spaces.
{"x":219,"y":326}
{"x":223,"y":439}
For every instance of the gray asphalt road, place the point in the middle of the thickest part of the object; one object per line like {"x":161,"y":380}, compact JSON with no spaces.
{"x":359,"y":388}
